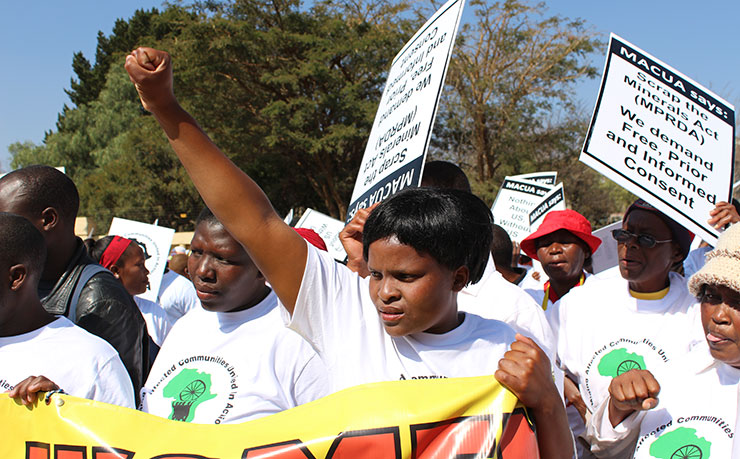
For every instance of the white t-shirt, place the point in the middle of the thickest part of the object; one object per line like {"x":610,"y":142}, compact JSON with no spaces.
{"x":177,"y":295}
{"x":229,"y":367}
{"x":335,"y":314}
{"x":736,"y":442}
{"x":493,"y":297}
{"x":529,"y":281}
{"x":538,"y":295}
{"x":604,"y":331}
{"x":695,"y":416}
{"x":158,"y":325}
{"x":79,"y":362}
{"x":695,"y":261}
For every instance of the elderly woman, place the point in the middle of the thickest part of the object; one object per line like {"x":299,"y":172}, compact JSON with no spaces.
{"x":696,"y":412}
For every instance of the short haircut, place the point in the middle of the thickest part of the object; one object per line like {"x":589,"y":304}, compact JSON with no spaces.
{"x":178,"y":263}
{"x":501,"y":248}
{"x":207,"y":216}
{"x":46,"y":187}
{"x":444,"y":174}
{"x":21,"y":243}
{"x":452,"y":226}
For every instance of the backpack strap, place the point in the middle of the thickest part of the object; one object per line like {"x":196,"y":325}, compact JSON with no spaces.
{"x":87,"y":273}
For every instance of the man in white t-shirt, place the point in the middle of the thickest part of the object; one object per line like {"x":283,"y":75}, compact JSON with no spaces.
{"x":80,"y":363}
{"x":232,"y":359}
{"x":403,"y":320}
{"x":641,"y":319}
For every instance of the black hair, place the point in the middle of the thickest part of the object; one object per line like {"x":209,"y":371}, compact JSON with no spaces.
{"x":96,"y":252}
{"x":501,"y":248}
{"x":89,"y":244}
{"x":207,"y":216}
{"x":21,"y":243}
{"x":452,"y":226}
{"x":444,"y":174}
{"x":45,"y":186}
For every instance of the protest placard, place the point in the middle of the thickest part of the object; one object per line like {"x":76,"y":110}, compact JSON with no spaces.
{"x":546,"y":178}
{"x":326,"y":227}
{"x":395,"y":151}
{"x":521,"y":205}
{"x":662,"y":136}
{"x":155,"y":241}
{"x":289,"y":218}
{"x":606,"y":255}
{"x":553,"y":200}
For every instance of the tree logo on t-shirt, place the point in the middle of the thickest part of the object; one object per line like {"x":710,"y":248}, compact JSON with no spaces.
{"x":682,"y":443}
{"x":189,"y":389}
{"x":620,"y":361}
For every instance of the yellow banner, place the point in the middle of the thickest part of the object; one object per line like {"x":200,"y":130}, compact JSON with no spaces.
{"x":440,"y":418}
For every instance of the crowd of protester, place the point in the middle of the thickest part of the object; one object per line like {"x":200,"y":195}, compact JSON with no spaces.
{"x":634,"y":361}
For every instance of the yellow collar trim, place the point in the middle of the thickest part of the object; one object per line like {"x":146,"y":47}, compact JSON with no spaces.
{"x":659,"y":295}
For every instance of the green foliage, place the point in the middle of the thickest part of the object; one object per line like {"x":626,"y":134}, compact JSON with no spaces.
{"x":289,"y":93}
{"x":125,"y":37}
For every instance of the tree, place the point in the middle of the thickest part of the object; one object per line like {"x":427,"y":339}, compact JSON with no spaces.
{"x":512,"y":72}
{"x":127,"y":34}
{"x":290,"y":95}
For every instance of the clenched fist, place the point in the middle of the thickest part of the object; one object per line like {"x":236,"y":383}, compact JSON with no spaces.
{"x":151,"y":72}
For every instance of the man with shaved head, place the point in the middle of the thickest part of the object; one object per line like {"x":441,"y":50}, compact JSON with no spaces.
{"x":70,"y":283}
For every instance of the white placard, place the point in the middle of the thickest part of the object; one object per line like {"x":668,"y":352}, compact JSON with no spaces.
{"x":289,"y":218}
{"x":514,"y":201}
{"x":553,"y":200}
{"x":545,"y":178}
{"x":606,"y":255}
{"x":395,"y":151}
{"x":155,"y":240}
{"x":328,"y":228}
{"x":662,"y":136}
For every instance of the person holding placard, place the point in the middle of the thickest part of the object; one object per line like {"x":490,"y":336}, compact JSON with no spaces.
{"x":642,"y":319}
{"x":691,"y":411}
{"x":402,"y":322}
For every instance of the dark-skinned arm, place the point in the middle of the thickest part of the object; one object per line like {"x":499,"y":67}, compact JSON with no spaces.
{"x":635,"y":390}
{"x":234,"y":198}
{"x":525,"y":370}
{"x":351,"y":239}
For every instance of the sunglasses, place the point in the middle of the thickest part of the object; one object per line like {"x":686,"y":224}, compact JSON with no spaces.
{"x":644,"y":240}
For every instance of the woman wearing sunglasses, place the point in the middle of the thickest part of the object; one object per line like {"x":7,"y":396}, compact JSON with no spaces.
{"x":690,"y":413}
{"x":642,"y":319}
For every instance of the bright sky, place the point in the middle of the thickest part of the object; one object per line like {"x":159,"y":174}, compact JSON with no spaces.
{"x":40,"y":37}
